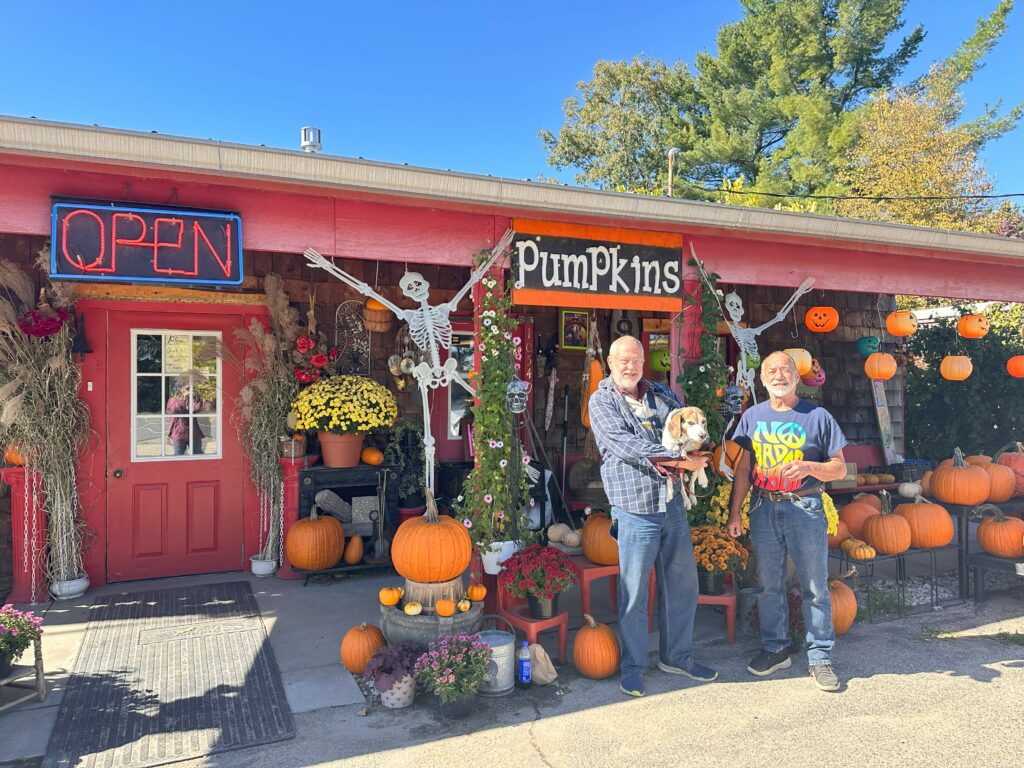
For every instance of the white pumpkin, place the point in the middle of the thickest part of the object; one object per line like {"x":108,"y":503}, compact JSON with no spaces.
{"x":557,"y":531}
{"x":573,"y":539}
{"x":910,"y":490}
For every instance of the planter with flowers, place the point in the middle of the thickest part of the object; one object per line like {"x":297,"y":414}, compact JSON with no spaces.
{"x":539,"y":574}
{"x":392,"y":670}
{"x":18,"y":630}
{"x":716,"y":553}
{"x":341,"y":410}
{"x":453,"y":668}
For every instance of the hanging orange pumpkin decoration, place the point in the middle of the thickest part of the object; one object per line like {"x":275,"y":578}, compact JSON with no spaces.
{"x":822,"y":319}
{"x":956,"y":367}
{"x":902,"y":322}
{"x":1015,"y":366}
{"x":972,"y":326}
{"x":802,"y":358}
{"x":880,"y":366}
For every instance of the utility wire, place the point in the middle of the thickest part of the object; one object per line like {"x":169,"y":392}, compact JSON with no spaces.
{"x":718,"y":190}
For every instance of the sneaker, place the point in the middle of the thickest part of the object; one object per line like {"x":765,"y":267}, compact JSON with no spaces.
{"x":825,"y":677}
{"x":632,"y":684}
{"x":695,"y":672}
{"x":767,"y":662}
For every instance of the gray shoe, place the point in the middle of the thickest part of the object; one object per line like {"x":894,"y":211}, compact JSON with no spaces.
{"x":825,"y":677}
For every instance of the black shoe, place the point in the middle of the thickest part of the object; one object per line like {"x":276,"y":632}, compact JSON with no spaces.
{"x":765,"y":662}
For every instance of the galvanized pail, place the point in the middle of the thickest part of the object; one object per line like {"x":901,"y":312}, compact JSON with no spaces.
{"x":501,"y":668}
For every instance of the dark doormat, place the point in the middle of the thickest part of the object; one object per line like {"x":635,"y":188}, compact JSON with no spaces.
{"x":170,"y":675}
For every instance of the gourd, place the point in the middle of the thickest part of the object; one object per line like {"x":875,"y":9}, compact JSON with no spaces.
{"x":1002,"y":482}
{"x":856,"y":549}
{"x":844,"y":606}
{"x":476,"y":592}
{"x":960,"y":482}
{"x":353,"y":550}
{"x":1000,"y":535}
{"x":910,"y":490}
{"x":557,"y":531}
{"x":573,"y":539}
{"x":358,"y":645}
{"x":595,"y":651}
{"x":413,"y":608}
{"x":1012,"y":456}
{"x":886,"y":532}
{"x":596,"y":375}
{"x":372,"y":456}
{"x":315,"y":542}
{"x":432,"y":548}
{"x":390,"y":595}
{"x":445,"y":607}
{"x":854,"y":514}
{"x":464,"y":605}
{"x":842,"y":534}
{"x":930,"y":524}
{"x":598,"y":545}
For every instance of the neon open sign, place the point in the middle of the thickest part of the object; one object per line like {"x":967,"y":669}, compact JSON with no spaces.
{"x":139,"y":244}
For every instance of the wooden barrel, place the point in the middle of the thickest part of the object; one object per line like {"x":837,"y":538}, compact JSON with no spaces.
{"x":428,"y":594}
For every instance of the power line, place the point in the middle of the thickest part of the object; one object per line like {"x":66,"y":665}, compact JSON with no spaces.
{"x":715,"y":190}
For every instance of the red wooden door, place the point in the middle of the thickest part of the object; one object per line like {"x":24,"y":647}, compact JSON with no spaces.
{"x":174,"y":463}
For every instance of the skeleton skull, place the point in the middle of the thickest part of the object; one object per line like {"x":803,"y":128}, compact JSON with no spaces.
{"x":516,"y":394}
{"x":414,"y":286}
{"x":733,"y":400}
{"x":734,"y":305}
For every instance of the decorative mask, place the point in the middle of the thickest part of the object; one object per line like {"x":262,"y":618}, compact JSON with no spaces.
{"x":733,"y":400}
{"x":516,"y":395}
{"x":868,"y":345}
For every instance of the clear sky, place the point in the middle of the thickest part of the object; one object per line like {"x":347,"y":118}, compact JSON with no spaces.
{"x":459,"y":85}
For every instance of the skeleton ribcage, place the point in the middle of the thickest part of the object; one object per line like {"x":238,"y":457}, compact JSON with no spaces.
{"x":745,"y":340}
{"x":429,"y":326}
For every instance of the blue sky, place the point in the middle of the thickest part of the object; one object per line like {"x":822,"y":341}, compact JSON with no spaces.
{"x":457,"y":85}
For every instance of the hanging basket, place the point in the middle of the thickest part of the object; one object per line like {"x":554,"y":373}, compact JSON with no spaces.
{"x":377,"y":317}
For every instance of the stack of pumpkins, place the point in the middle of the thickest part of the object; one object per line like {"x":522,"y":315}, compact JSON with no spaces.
{"x":869,"y":527}
{"x":317,"y":542}
{"x":595,"y":537}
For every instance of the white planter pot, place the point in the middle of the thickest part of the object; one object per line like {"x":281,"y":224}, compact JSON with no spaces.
{"x":261,"y":567}
{"x":69,"y":590}
{"x":499,"y":552}
{"x":401,"y":694}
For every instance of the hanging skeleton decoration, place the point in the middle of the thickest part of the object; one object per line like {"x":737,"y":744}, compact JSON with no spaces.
{"x":429,"y":326}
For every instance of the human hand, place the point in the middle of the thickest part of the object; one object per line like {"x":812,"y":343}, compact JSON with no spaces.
{"x":795,"y":470}
{"x":693,"y":462}
{"x":734,"y":525}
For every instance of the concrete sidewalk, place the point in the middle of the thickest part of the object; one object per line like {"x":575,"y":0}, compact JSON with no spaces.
{"x":915,"y":695}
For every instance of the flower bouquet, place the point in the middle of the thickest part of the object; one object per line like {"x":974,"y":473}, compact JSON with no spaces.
{"x":538,"y":573}
{"x":454,"y":667}
{"x":342,"y":409}
{"x":18,"y":630}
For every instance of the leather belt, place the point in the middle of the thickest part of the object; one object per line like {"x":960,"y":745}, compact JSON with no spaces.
{"x":789,"y":495}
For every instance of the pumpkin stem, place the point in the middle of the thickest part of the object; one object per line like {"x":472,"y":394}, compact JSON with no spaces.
{"x":980,"y":510}
{"x":886,"y":506}
{"x":362,"y":627}
{"x":958,"y":458}
{"x":1012,"y":447}
{"x":590,"y":621}
{"x":432,"y":515}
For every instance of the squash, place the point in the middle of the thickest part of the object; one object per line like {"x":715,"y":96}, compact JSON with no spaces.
{"x":842,"y":534}
{"x":353,"y":550}
{"x":464,"y":605}
{"x":910,"y":490}
{"x":870,"y":499}
{"x":960,"y":482}
{"x":431,"y":549}
{"x":930,"y":524}
{"x":573,"y":539}
{"x":557,"y":531}
{"x":476,"y":592}
{"x":854,"y":514}
{"x":413,"y":608}
{"x":358,"y":645}
{"x":315,"y":542}
{"x":598,"y":545}
{"x":372,"y":456}
{"x":595,"y":377}
{"x":1012,"y":456}
{"x":889,"y":534}
{"x":595,"y":651}
{"x":445,"y":607}
{"x":1001,"y":482}
{"x":887,"y":479}
{"x":390,"y":595}
{"x":856,"y":549}
{"x":1000,"y":535}
{"x":844,"y":606}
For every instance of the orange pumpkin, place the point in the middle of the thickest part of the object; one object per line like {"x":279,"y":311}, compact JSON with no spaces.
{"x":842,"y":534}
{"x":598,"y":545}
{"x":870,"y":499}
{"x":856,"y":549}
{"x":1015,"y":366}
{"x":432,"y":548}
{"x":972,"y":326}
{"x":358,"y":645}
{"x":733,"y":452}
{"x":956,"y":367}
{"x":353,"y":550}
{"x":902,"y":322}
{"x":886,"y":532}
{"x":595,"y":651}
{"x":372,"y":456}
{"x":880,"y":366}
{"x":1002,"y":482}
{"x":960,"y":482}
{"x":1000,"y":535}
{"x":596,"y":375}
{"x":926,"y":483}
{"x":315,"y":542}
{"x":821,"y":319}
{"x":854,"y":514}
{"x":1012,"y":456}
{"x":476,"y":592}
{"x":978,"y":459}
{"x":390,"y":595}
{"x":13,"y":456}
{"x":930,"y":524}
{"x":445,"y":607}
{"x":844,"y":606}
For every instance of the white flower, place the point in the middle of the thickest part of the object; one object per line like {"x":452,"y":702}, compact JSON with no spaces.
{"x":487,"y":322}
{"x":501,"y":443}
{"x":702,"y":369}
{"x":517,"y":341}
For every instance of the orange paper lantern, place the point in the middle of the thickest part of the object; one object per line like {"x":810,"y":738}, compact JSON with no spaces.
{"x":880,"y":366}
{"x":956,"y":367}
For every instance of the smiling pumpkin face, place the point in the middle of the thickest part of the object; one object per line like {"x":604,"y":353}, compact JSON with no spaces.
{"x":972,"y":326}
{"x":822,"y":319}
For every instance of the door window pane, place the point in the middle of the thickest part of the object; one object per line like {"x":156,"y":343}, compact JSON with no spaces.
{"x":205,"y":440}
{"x":459,"y":400}
{"x":177,"y":354}
{"x":149,"y":437}
{"x":148,"y":353}
{"x":148,"y":396}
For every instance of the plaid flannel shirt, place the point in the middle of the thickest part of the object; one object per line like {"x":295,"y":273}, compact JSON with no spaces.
{"x":630,"y":480}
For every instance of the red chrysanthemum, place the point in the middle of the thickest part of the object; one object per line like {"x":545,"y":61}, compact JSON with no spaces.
{"x":319,"y":360}
{"x":304,"y":344}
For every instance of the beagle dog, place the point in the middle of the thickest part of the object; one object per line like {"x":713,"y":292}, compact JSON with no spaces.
{"x":686,"y":429}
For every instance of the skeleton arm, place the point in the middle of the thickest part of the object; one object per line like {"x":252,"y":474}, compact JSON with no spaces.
{"x":480,"y":271}
{"x":317,"y":261}
{"x":805,"y":286}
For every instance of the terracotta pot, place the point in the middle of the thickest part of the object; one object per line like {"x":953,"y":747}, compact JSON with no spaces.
{"x":338,"y":451}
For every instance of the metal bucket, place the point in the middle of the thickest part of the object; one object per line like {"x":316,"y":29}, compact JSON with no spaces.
{"x":501,"y":668}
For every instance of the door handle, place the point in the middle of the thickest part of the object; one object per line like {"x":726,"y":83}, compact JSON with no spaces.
{"x":118,"y":473}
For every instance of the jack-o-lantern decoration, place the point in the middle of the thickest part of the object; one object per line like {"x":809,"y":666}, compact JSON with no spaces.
{"x":956,"y":367}
{"x":880,"y":366}
{"x":660,"y":361}
{"x":902,"y":322}
{"x":868,"y":345}
{"x":802,"y":358}
{"x":816,"y":376}
{"x":1015,"y":366}
{"x":972,"y":326}
{"x":821,"y":319}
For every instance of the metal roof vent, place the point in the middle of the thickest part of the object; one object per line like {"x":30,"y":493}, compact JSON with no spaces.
{"x":310,"y":139}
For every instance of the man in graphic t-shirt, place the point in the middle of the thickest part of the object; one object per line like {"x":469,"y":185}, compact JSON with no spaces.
{"x":790,"y":447}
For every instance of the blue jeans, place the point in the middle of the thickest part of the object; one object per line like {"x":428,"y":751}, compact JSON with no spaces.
{"x":799,"y":528}
{"x":662,"y":542}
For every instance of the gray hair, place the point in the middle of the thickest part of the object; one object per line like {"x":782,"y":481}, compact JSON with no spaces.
{"x":777,"y":353}
{"x":622,"y":341}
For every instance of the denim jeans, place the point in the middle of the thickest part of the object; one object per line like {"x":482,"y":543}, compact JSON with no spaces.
{"x":662,"y":542}
{"x":799,"y":528}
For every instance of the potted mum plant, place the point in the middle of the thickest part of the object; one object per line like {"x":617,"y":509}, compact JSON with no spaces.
{"x":18,"y":630}
{"x":392,"y":669}
{"x":716,"y":553}
{"x":453,"y":668}
{"x":539,"y":574}
{"x":341,"y":410}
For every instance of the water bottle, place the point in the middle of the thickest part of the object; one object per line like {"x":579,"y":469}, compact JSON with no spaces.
{"x":523,"y":676}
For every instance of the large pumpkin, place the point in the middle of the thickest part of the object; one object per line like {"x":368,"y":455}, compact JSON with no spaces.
{"x":358,"y":645}
{"x":1002,"y":482}
{"x":598,"y":545}
{"x":595,"y":651}
{"x":432,"y":548}
{"x":1000,"y":535}
{"x":854,"y":514}
{"x":930,"y":524}
{"x":596,"y":375}
{"x":733,"y":452}
{"x":960,"y":482}
{"x":842,"y":534}
{"x":844,"y":606}
{"x":1012,"y":456}
{"x":886,"y":532}
{"x":315,"y":542}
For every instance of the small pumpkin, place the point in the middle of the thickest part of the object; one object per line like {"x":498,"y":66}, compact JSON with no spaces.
{"x":413,"y":608}
{"x":886,"y":532}
{"x":930,"y":524}
{"x":844,"y":606}
{"x":595,"y":651}
{"x":557,"y":531}
{"x":372,"y":456}
{"x":1000,"y":535}
{"x":821,"y":319}
{"x":464,"y":605}
{"x":910,"y":490}
{"x":956,"y":367}
{"x":13,"y":456}
{"x":315,"y":542}
{"x":960,"y":482}
{"x":358,"y":645}
{"x":802,"y":358}
{"x":353,"y":550}
{"x":836,"y":539}
{"x":972,"y":326}
{"x":390,"y":595}
{"x":476,"y":592}
{"x":1015,"y":366}
{"x":856,"y":549}
{"x":445,"y":607}
{"x":598,"y":545}
{"x":573,"y":539}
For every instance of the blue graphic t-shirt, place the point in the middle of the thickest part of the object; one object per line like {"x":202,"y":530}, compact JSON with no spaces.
{"x":806,"y":433}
